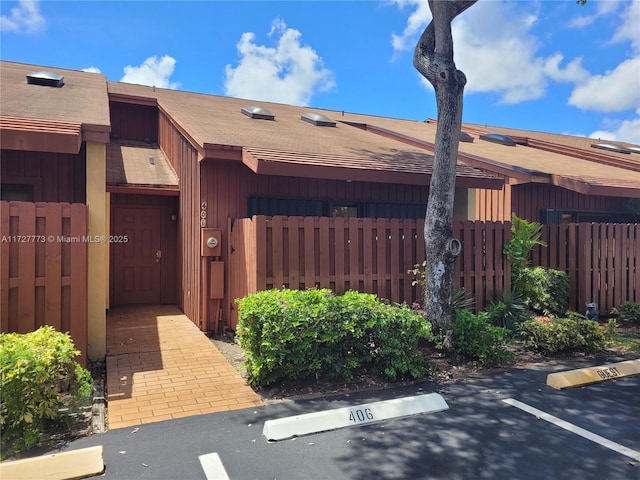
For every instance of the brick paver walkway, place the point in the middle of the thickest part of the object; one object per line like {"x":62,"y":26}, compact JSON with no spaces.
{"x":160,"y":366}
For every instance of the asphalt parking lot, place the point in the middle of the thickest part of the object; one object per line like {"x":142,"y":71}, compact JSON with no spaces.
{"x":590,"y":432}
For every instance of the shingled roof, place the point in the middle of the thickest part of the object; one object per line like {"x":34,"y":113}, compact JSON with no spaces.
{"x":36,"y":117}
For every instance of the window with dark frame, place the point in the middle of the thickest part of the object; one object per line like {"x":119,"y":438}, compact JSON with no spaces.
{"x":16,"y":192}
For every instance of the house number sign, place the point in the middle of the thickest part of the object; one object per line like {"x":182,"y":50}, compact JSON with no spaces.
{"x":203,"y":214}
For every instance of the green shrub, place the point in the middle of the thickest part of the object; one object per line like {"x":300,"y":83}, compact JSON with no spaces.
{"x":507,"y":311}
{"x":563,"y":335}
{"x":544,"y":290}
{"x":524,"y":236}
{"x":475,"y":338}
{"x":292,"y":334}
{"x":38,"y":370}
{"x":628,"y":312}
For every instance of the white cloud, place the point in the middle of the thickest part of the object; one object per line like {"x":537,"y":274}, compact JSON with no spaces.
{"x":91,"y":70}
{"x":415,"y":25}
{"x":629,"y":30}
{"x":615,"y":91}
{"x":496,"y":51}
{"x":624,"y":131}
{"x":288,"y":72}
{"x":154,"y":71}
{"x":25,"y":18}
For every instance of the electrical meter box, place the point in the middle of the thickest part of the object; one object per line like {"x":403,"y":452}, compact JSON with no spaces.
{"x":211,"y":242}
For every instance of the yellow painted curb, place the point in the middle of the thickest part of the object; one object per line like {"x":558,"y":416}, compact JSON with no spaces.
{"x":73,"y":464}
{"x":585,"y":376}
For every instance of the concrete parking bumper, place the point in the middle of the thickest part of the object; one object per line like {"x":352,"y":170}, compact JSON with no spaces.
{"x":586,"y":376}
{"x":70,"y":465}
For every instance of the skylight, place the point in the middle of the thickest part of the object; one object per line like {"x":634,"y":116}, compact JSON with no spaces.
{"x":465,"y":137}
{"x":256,"y":112}
{"x":611,"y":147}
{"x":47,"y":79}
{"x":318,"y":119}
{"x":634,"y":149}
{"x":498,"y":138}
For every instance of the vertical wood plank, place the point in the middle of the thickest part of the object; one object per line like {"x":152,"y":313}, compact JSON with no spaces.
{"x":53,"y":265}
{"x":367,"y":254}
{"x":26,"y":267}
{"x":309,"y":253}
{"x":619,"y":264}
{"x":293,"y":271}
{"x":325,"y":248}
{"x":278,"y":253}
{"x":394,"y":256}
{"x":78,"y":282}
{"x":408,"y":259}
{"x":353,"y":245}
{"x":340,"y":240}
{"x":4,"y":265}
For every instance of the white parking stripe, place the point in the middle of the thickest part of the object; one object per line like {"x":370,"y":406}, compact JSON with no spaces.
{"x":574,"y":429}
{"x":212,"y":466}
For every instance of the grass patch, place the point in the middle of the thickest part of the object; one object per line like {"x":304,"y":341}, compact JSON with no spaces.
{"x":625,"y":339}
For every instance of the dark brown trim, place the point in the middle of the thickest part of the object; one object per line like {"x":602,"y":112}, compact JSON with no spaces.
{"x":144,"y":190}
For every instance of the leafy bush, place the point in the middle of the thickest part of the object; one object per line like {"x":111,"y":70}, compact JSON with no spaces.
{"x":38,"y":370}
{"x":563,"y":335}
{"x":475,"y":338}
{"x":507,"y":311}
{"x":292,"y":334}
{"x":544,"y":290}
{"x":524,"y":236}
{"x":628,"y":312}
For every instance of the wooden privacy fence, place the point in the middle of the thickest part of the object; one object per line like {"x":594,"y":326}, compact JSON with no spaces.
{"x":43,"y":268}
{"x":363,"y":254}
{"x":601,"y":259}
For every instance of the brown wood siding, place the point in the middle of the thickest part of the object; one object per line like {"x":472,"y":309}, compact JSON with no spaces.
{"x":494,"y":205}
{"x":56,"y":177}
{"x":226,"y":185}
{"x":43,"y":269}
{"x":185,"y":160}
{"x":168,"y":233}
{"x":528,"y":200}
{"x":363,"y":254}
{"x":134,"y":122}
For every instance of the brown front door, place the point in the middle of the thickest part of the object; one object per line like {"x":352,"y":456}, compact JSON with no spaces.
{"x":136,"y":250}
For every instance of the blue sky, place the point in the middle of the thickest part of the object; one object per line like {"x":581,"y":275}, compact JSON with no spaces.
{"x":550,"y":66}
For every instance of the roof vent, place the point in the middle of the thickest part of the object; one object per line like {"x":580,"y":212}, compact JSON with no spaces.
{"x":46,"y":79}
{"x":465,"y":137}
{"x":318,"y":119}
{"x":498,"y":138}
{"x":634,"y":149}
{"x":259,"y":113}
{"x":611,"y":147}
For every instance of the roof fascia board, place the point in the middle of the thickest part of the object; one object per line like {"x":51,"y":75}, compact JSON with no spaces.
{"x":38,"y":135}
{"x":261,"y":167}
{"x":587,"y":188}
{"x":96,"y":133}
{"x":135,"y":99}
{"x":221,"y":152}
{"x":169,"y":190}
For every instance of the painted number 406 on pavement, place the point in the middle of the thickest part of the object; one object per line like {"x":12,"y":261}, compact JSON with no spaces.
{"x":360,"y":415}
